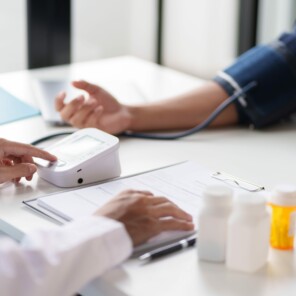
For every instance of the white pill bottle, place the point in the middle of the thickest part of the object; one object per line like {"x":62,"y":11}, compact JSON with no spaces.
{"x":248,"y":234}
{"x":212,"y":223}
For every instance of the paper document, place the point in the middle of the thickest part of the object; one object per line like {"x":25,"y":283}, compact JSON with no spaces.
{"x":181,"y":183}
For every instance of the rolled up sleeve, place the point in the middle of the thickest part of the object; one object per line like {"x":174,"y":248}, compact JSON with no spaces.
{"x":273,"y":67}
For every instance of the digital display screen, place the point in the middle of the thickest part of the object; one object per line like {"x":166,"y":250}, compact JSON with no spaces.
{"x":76,"y":148}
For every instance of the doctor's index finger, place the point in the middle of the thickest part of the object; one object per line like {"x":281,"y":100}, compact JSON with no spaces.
{"x":19,"y":149}
{"x":92,"y":89}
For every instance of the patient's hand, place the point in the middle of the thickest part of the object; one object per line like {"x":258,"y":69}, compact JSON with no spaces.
{"x":101,"y":110}
{"x":145,"y":215}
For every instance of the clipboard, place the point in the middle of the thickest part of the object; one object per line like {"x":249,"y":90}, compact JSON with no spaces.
{"x":183,"y":183}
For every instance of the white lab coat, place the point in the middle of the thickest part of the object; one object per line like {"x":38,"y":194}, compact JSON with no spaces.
{"x":61,"y":261}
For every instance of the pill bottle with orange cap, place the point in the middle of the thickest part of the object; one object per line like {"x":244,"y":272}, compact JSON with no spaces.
{"x":283,"y":217}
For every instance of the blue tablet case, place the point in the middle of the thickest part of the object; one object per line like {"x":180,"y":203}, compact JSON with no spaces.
{"x":12,"y":109}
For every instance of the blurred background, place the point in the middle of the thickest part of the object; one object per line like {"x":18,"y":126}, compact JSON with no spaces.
{"x":198,"y":37}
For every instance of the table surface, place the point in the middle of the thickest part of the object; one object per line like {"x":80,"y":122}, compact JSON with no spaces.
{"x":262,"y":157}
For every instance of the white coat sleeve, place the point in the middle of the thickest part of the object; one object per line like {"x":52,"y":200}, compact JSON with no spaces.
{"x":62,"y":260}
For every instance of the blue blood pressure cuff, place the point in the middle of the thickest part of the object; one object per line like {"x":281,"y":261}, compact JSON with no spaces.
{"x":273,"y":67}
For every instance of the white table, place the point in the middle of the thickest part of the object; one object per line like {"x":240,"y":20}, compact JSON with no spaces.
{"x":262,"y":157}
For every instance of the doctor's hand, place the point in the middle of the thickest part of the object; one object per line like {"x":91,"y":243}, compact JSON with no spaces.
{"x":145,"y":215}
{"x":101,"y":110}
{"x":16,"y":160}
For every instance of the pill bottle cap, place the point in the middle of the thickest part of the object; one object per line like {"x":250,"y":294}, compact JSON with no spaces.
{"x":250,"y":203}
{"x":217,"y":195}
{"x":284,"y":195}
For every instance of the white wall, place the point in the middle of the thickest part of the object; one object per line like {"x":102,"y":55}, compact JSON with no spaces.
{"x":99,"y":28}
{"x":13,"y":44}
{"x":143,"y":22}
{"x":106,"y":28}
{"x":275,"y":17}
{"x":102,"y":28}
{"x":200,"y":35}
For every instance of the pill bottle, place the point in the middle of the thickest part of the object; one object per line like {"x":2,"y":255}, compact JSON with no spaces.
{"x":248,"y":233}
{"x":212,"y":223}
{"x":283,"y":217}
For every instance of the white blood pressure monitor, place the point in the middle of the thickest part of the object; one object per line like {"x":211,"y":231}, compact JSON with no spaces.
{"x":88,"y":155}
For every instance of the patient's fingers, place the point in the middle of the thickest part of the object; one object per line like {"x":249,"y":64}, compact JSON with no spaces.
{"x":59,"y":102}
{"x":84,"y":113}
{"x":71,"y":108}
{"x":92,"y":89}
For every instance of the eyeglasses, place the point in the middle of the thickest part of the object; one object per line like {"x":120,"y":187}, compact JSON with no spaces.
{"x":236,"y":182}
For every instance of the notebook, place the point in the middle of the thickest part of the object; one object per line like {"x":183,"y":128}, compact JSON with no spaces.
{"x":12,"y":109}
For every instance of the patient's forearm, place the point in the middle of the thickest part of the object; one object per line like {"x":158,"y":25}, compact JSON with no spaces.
{"x":184,"y":111}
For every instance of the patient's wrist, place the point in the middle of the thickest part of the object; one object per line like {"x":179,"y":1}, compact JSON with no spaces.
{"x":132,"y":118}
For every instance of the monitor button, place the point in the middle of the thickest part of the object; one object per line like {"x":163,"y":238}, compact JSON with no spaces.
{"x":60,"y":163}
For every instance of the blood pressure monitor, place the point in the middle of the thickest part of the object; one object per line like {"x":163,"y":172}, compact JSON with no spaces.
{"x":89,"y":155}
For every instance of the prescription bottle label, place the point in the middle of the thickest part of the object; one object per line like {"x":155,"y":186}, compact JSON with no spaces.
{"x":283,"y":220}
{"x":292,"y":224}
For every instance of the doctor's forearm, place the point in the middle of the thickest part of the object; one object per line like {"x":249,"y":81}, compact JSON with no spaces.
{"x":184,"y":111}
{"x":61,"y":261}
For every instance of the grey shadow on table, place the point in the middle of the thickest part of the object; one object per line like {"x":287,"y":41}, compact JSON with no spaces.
{"x":102,"y":286}
{"x":224,"y":282}
{"x":11,"y":190}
